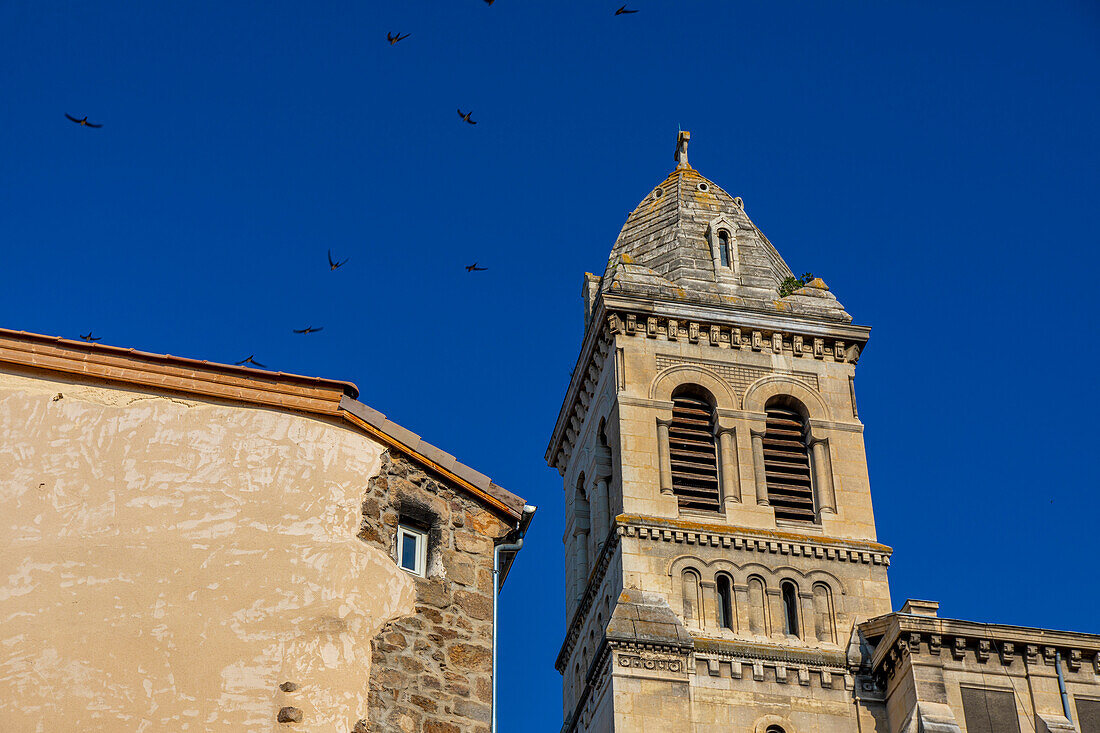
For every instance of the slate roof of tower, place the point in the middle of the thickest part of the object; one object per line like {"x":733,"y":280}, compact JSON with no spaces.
{"x":664,"y":251}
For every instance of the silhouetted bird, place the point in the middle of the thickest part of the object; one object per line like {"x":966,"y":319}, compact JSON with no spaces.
{"x":466,"y":117}
{"x":308,"y":329}
{"x":475,"y":268}
{"x":83,"y":121}
{"x":251,"y":361}
{"x":394,"y":39}
{"x":333,"y":264}
{"x":624,"y":11}
{"x":89,"y":337}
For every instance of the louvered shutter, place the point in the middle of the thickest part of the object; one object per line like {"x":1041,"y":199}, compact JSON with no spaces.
{"x":787,"y":465}
{"x":691,"y":450}
{"x":989,"y":711}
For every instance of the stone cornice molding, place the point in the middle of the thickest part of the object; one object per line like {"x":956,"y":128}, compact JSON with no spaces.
{"x":753,"y":540}
{"x":791,"y":665}
{"x":730,"y":315}
{"x":902,"y":636}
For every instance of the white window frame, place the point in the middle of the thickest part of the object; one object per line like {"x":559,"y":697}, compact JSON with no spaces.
{"x":420,"y":562}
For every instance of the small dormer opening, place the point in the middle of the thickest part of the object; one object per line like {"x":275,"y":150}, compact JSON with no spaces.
{"x":724,"y":258}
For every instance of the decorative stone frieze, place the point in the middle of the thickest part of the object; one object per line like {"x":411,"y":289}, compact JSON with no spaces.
{"x":717,"y":335}
{"x":744,"y":540}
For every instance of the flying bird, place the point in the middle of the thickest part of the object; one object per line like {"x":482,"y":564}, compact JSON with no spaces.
{"x":624,"y":11}
{"x":466,"y":117}
{"x":89,"y":337}
{"x":82,"y":121}
{"x":333,"y":264}
{"x":475,"y":268}
{"x":308,"y":329}
{"x":395,"y":38}
{"x":250,"y":360}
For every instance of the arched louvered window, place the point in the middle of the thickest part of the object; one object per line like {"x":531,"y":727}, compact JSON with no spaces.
{"x":787,"y":464}
{"x":692,"y":452}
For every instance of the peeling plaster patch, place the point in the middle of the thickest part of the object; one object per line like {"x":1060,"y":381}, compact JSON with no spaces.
{"x":182,"y":560}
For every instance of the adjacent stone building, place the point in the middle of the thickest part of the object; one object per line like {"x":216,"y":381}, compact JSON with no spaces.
{"x":190,"y":546}
{"x":723,"y":570}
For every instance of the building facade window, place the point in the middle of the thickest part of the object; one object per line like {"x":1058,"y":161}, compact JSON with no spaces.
{"x":987,"y":710}
{"x":790,"y":608}
{"x":412,"y":549}
{"x":691,"y":448}
{"x":725,"y":602}
{"x":787,"y":464}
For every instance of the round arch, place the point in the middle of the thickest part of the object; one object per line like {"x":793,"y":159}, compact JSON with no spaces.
{"x":776,"y":385}
{"x":667,"y":380}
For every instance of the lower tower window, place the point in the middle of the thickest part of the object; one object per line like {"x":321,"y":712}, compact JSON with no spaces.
{"x":725,"y":602}
{"x":790,"y":608}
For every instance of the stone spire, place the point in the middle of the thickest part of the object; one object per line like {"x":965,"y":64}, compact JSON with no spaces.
{"x":672,"y":246}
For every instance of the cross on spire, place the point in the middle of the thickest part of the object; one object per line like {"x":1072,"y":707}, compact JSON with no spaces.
{"x":681,"y":156}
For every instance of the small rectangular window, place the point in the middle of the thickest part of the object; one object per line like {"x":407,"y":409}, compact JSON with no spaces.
{"x":989,"y":711}
{"x":1088,"y":715}
{"x":412,"y":549}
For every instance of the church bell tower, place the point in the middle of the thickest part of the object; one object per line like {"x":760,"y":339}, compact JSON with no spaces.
{"x":720,"y":543}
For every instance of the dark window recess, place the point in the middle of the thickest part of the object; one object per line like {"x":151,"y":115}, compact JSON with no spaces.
{"x":790,"y":608}
{"x":1088,"y":715}
{"x":725,"y":603}
{"x":724,"y":247}
{"x":989,"y":711}
{"x":691,"y":450}
{"x":787,"y":465}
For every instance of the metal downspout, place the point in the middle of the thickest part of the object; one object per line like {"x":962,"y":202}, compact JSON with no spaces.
{"x":1062,"y":685}
{"x":528,"y":513}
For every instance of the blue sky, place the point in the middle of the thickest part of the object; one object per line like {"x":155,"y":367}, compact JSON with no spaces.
{"x":935,"y":163}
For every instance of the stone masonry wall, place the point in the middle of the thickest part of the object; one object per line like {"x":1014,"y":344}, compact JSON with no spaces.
{"x":431,"y":671}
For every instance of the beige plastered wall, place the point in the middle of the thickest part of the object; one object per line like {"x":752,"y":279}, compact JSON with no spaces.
{"x":166,"y":563}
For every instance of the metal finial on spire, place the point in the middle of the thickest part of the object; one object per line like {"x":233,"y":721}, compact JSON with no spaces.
{"x":681,"y":156}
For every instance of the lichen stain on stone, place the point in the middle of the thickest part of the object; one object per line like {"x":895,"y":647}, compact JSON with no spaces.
{"x":185,"y":559}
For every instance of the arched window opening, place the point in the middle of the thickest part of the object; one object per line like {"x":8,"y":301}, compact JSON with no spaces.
{"x":787,"y":464}
{"x":724,"y":248}
{"x":581,"y":526}
{"x":725,"y":602}
{"x":823,"y":613}
{"x":692,"y":451}
{"x":693,"y":600}
{"x":790,"y":608}
{"x":774,"y":729}
{"x":757,"y":609}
